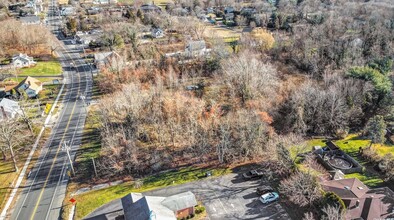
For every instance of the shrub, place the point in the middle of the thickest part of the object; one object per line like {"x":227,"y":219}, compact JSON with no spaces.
{"x":370,"y":155}
{"x":381,"y":82}
{"x":334,"y":200}
{"x":200,"y":209}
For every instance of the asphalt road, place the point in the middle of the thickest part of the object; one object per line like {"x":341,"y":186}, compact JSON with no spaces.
{"x":228,"y":197}
{"x":42,"y":195}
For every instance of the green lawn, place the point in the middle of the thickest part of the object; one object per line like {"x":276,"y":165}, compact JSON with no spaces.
{"x":42,"y":79}
{"x":47,"y":68}
{"x":88,"y":202}
{"x":368,"y":178}
{"x":352,"y":143}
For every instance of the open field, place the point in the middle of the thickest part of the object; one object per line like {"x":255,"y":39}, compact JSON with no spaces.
{"x":212,"y":31}
{"x":42,"y":79}
{"x":47,"y":68}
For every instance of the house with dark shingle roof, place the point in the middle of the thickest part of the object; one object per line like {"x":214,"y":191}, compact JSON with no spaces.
{"x":30,"y":85}
{"x":135,"y":206}
{"x":360,"y":201}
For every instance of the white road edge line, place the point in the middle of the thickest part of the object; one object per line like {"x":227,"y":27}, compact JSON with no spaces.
{"x":45,"y":156}
{"x":22,"y":174}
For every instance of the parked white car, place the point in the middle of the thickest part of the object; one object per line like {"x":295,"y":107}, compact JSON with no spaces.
{"x":269,"y":197}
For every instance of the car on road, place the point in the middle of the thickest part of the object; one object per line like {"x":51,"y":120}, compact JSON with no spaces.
{"x":252,"y":174}
{"x":269,"y":197}
{"x":264,"y":189}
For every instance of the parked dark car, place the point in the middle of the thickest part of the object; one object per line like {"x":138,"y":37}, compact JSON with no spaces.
{"x":264,"y":189}
{"x":253,"y":174}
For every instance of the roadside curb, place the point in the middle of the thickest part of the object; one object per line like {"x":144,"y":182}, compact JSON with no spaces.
{"x":26,"y":165}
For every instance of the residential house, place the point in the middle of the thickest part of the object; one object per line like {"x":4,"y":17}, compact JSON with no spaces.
{"x":29,"y":20}
{"x":248,"y":12}
{"x":195,"y":48}
{"x":22,"y":60}
{"x":104,"y":2}
{"x":108,"y":59}
{"x":86,"y":38}
{"x":9,"y":109}
{"x":30,"y":85}
{"x":229,"y":18}
{"x":136,"y":206}
{"x":157,"y":33}
{"x":148,"y":8}
{"x":67,"y":11}
{"x":360,"y":201}
{"x":6,"y":89}
{"x":228,"y":10}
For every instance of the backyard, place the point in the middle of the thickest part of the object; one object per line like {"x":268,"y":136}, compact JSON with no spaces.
{"x":351,"y":145}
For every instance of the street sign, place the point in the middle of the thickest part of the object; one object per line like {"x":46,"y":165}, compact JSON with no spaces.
{"x":72,"y":200}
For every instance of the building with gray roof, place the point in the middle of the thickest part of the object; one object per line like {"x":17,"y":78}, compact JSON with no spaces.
{"x":135,"y":206}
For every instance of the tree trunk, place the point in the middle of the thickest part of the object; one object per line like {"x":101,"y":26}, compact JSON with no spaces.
{"x":13,"y":159}
{"x":4,"y":155}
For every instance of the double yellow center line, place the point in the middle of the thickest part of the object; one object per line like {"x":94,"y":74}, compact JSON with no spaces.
{"x":57,"y":152}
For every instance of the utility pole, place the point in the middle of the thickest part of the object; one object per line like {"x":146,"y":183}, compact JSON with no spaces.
{"x":67,"y":149}
{"x":94,"y":166}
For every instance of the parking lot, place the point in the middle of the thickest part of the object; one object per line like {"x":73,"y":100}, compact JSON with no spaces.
{"x":228,"y":197}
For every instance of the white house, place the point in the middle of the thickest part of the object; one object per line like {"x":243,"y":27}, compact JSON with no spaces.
{"x":22,"y":60}
{"x":110,"y":60}
{"x":29,"y":20}
{"x":67,"y":11}
{"x":9,"y":109}
{"x":31,"y":86}
{"x":157,"y":33}
{"x":196,"y":48}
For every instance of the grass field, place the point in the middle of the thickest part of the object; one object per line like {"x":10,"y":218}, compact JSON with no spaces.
{"x":88,"y":202}
{"x":220,"y":32}
{"x":48,"y":68}
{"x":42,"y":79}
{"x":353,"y":142}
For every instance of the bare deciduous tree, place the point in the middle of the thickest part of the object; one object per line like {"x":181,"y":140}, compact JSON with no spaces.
{"x":332,"y":213}
{"x":248,"y":77}
{"x":301,"y":189}
{"x":11,"y":136}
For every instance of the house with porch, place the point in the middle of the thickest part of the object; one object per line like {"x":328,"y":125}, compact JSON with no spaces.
{"x":22,"y":60}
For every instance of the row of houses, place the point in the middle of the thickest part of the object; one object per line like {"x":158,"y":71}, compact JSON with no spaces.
{"x":10,"y":108}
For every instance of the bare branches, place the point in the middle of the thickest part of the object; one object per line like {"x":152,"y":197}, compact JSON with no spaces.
{"x":301,"y":189}
{"x":11,"y":136}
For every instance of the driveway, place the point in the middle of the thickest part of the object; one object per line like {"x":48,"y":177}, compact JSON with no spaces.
{"x":228,"y":197}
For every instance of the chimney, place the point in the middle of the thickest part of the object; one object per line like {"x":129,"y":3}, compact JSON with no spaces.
{"x":3,"y":111}
{"x":28,"y":82}
{"x":357,"y":203}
